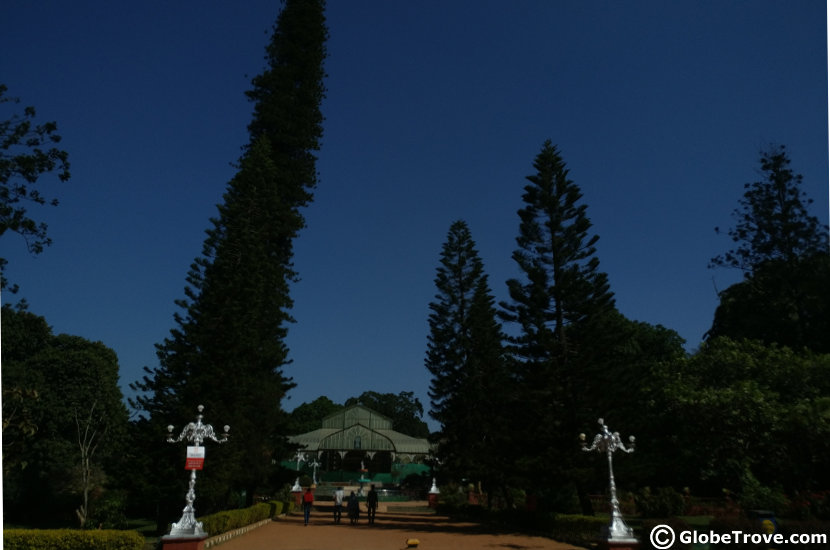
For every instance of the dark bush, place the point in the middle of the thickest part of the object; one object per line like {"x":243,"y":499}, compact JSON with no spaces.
{"x":810,"y":504}
{"x":663,"y":502}
{"x":108,"y":512}
{"x":577,"y":529}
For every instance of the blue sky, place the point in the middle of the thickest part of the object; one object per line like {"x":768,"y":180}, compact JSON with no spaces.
{"x":434,"y":112}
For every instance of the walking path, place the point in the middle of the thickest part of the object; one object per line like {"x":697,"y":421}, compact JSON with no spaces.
{"x":391,"y":531}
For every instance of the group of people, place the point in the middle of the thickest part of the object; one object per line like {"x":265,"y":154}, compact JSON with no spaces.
{"x":352,"y":506}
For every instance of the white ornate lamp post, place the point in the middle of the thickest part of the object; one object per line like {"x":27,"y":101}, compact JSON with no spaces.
{"x":195,"y":433}
{"x":619,"y":534}
{"x":314,"y":465}
{"x":299,"y":458}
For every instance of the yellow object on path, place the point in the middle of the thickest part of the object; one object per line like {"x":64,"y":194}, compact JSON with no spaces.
{"x":412,"y":543}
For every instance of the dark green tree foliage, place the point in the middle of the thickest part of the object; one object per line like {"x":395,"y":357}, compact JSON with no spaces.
{"x":783,"y":250}
{"x":27,"y":152}
{"x":287,"y":97}
{"x":470,"y":383}
{"x":30,"y":334}
{"x":403,"y":409}
{"x":620,"y":371}
{"x":563,"y":283}
{"x":787,"y":303}
{"x":79,"y":416}
{"x":561,"y":295}
{"x":773,"y":222}
{"x":760,"y":414}
{"x":228,"y":350}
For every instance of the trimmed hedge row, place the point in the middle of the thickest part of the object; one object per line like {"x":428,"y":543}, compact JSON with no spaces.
{"x":75,"y":539}
{"x":571,"y":528}
{"x":222,"y":522}
{"x":71,"y":539}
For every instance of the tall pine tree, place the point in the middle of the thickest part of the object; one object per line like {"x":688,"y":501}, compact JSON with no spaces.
{"x":783,"y":252}
{"x":466,"y":359}
{"x":553,"y":306}
{"x":228,"y":350}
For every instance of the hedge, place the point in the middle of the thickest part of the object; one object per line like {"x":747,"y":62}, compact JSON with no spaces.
{"x":222,"y":522}
{"x":71,"y":539}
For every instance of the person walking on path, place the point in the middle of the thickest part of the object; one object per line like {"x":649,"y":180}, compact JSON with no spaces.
{"x":372,"y":504}
{"x":308,"y":500}
{"x":338,"y":504}
{"x":354,"y":508}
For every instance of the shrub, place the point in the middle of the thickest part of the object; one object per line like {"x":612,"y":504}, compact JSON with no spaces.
{"x":71,"y":539}
{"x":222,"y":522}
{"x":108,"y":511}
{"x":451,"y":499}
{"x":563,"y":500}
{"x":810,"y":504}
{"x":663,"y":502}
{"x":577,"y":529}
{"x":276,"y":507}
{"x":755,"y":496}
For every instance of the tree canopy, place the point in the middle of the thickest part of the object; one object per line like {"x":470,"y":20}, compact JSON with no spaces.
{"x":783,"y":251}
{"x":28,"y":151}
{"x":759,"y":413}
{"x":64,"y":424}
{"x":773,"y":222}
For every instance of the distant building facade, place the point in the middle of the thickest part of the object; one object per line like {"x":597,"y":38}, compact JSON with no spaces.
{"x":357,"y":439}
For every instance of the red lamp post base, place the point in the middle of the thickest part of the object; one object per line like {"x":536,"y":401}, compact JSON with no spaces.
{"x":182,"y":543}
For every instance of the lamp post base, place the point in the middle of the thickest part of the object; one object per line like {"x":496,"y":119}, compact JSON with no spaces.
{"x":171,"y":542}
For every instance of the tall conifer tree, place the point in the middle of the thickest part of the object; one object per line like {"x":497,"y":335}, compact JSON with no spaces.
{"x":465,"y":356}
{"x":561,"y":294}
{"x":228,"y":350}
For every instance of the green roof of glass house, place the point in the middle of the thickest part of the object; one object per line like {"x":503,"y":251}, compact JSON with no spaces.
{"x":358,"y":428}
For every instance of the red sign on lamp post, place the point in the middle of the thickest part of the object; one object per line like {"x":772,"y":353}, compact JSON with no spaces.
{"x":195,"y":458}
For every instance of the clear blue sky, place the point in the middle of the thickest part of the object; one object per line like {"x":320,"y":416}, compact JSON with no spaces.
{"x":435,"y":112}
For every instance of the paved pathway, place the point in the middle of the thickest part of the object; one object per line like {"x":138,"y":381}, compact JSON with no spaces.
{"x":390,"y":532}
